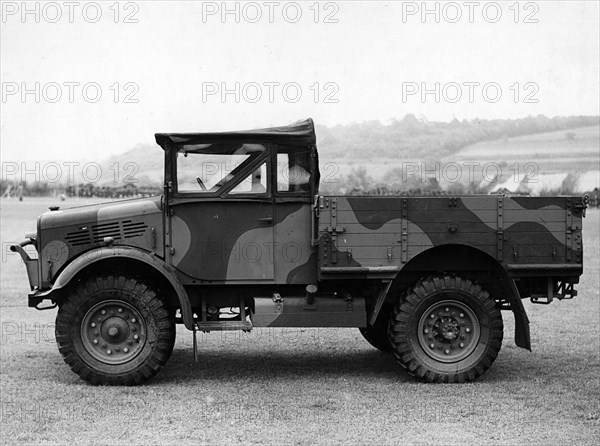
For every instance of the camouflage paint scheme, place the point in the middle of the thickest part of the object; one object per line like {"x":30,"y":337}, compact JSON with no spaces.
{"x":285,"y":242}
{"x":372,"y":232}
{"x":253,"y":249}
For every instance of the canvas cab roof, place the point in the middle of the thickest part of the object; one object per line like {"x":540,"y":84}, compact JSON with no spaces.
{"x":300,"y":133}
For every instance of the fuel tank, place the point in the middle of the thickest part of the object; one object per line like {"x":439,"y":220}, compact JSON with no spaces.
{"x":326,"y":311}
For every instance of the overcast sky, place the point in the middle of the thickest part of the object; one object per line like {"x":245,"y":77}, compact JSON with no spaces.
{"x":167,"y":69}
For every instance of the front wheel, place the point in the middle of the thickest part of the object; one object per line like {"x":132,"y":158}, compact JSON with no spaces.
{"x":114,"y":330}
{"x":446,"y":329}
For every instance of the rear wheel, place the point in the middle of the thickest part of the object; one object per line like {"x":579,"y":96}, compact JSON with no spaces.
{"x":446,"y":329}
{"x":115,"y":330}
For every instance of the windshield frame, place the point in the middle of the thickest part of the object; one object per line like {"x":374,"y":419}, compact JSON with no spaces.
{"x":245,"y":169}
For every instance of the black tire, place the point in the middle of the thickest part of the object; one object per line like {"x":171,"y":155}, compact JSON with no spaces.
{"x":377,"y":334}
{"x":446,"y":329}
{"x":114,"y":330}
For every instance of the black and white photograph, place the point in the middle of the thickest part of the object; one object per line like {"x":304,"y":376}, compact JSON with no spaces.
{"x":300,"y":222}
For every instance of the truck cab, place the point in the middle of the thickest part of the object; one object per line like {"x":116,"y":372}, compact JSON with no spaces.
{"x":252,"y":196}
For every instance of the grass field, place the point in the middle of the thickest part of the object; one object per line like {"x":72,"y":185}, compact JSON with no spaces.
{"x":301,"y":387}
{"x":552,"y":150}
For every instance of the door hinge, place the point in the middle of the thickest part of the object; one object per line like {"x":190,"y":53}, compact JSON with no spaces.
{"x":500,"y":230}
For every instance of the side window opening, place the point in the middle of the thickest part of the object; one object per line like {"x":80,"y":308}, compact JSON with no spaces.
{"x":293,"y":170}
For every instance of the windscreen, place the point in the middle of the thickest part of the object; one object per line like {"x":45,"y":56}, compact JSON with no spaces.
{"x":208,"y":168}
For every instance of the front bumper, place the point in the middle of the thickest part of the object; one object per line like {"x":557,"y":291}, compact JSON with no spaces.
{"x":37,"y":296}
{"x":30,"y":264}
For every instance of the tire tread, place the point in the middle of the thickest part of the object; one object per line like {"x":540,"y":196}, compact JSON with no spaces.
{"x":400,"y":331}
{"x":149,"y":305}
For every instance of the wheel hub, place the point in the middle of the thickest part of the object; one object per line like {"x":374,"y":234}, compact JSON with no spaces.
{"x":115,"y":329}
{"x":448,"y":331}
{"x":113,"y":332}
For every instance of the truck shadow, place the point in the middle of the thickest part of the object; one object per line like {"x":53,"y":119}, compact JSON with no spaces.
{"x":265,"y":365}
{"x":286,"y":364}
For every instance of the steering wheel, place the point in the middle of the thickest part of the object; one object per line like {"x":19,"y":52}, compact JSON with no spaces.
{"x":201,"y":183}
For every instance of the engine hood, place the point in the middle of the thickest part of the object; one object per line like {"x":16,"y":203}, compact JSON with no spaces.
{"x":96,"y":213}
{"x":65,"y":234}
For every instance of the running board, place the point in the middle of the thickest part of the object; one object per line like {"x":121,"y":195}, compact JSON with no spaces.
{"x":207,"y":327}
{"x":223,"y":326}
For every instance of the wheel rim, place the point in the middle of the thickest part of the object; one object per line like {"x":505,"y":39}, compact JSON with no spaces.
{"x":448,"y":331}
{"x":113,"y":332}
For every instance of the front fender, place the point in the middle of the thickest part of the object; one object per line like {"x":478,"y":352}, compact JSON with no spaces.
{"x":104,"y":253}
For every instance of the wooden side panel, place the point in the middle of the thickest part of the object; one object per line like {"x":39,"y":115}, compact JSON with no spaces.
{"x":359,"y":232}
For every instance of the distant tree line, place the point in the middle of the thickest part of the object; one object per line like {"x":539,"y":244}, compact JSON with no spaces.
{"x":82,"y":190}
{"x":419,"y":138}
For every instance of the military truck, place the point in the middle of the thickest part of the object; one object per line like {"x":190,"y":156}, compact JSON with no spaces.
{"x":241,"y":238}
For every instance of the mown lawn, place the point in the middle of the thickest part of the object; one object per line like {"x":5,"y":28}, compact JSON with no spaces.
{"x":302,"y":387}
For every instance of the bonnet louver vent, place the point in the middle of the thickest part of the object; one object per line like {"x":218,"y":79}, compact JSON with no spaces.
{"x":131,"y":229}
{"x":94,"y":234}
{"x":80,"y":237}
{"x":106,"y":230}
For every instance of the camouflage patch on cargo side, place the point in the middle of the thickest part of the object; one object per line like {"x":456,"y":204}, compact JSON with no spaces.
{"x":373,"y":213}
{"x":549,"y":219}
{"x":535,"y":203}
{"x":371,"y":233}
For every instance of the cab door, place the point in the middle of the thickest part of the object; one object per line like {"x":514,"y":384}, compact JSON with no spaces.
{"x":221,"y":227}
{"x":295,"y":179}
